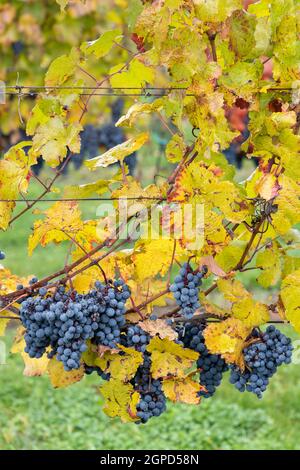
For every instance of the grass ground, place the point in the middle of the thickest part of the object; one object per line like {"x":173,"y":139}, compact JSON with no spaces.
{"x":34,"y":416}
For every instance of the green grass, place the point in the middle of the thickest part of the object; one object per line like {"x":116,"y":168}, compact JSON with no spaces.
{"x":35,"y":416}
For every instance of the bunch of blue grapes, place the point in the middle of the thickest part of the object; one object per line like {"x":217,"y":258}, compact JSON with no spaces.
{"x":18,"y":47}
{"x":89,"y":145}
{"x":262,"y":358}
{"x":88,"y":370}
{"x":212,"y":365}
{"x":107,"y":307}
{"x":186,"y":289}
{"x":64,"y":321}
{"x":152,"y":399}
{"x":135,"y":337}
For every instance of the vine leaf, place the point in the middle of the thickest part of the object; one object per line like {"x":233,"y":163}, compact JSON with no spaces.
{"x":227,"y":338}
{"x":288,"y":204}
{"x":118,"y":153}
{"x":184,"y":390}
{"x":200,"y":184}
{"x":244,"y":307}
{"x":175,"y":149}
{"x":151,"y":257}
{"x":169,"y":358}
{"x":62,"y":222}
{"x":101,"y":46}
{"x":121,"y":368}
{"x":60,"y":378}
{"x":120,"y":400}
{"x":269,"y":262}
{"x":53,"y":139}
{"x":135,"y":76}
{"x":61,"y":69}
{"x":33,"y":367}
{"x":290,"y":296}
{"x":14,"y":168}
{"x":136,"y":110}
{"x":159,"y":327}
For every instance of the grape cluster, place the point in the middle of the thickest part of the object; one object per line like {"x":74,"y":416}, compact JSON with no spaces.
{"x":2,"y":255}
{"x":135,"y":337}
{"x":212,"y":365}
{"x":262,"y":358}
{"x":64,"y":321}
{"x":89,"y":145}
{"x":88,"y":370}
{"x":186,"y":289}
{"x":152,"y":399}
{"x":107,"y":308}
{"x":18,"y":47}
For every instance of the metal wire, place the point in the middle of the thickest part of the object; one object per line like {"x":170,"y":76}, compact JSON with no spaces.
{"x":85,"y":199}
{"x":155,"y":92}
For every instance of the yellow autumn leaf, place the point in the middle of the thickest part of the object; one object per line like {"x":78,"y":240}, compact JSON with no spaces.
{"x":251,"y":312}
{"x":120,"y":367}
{"x":33,"y":367}
{"x":229,"y":257}
{"x":60,"y":378}
{"x":136,"y":110}
{"x":120,"y":400}
{"x":169,"y":358}
{"x":14,"y":168}
{"x":267,"y":186}
{"x":152,"y":257}
{"x":288,"y":205}
{"x":62,"y":222}
{"x":270,"y":264}
{"x":184,"y":390}
{"x":118,"y":153}
{"x":244,"y":307}
{"x":131,"y":192}
{"x":86,"y":190}
{"x":227,"y":338}
{"x":204,"y":185}
{"x":175,"y":149}
{"x":232,"y":289}
{"x":53,"y":139}
{"x":290,"y":296}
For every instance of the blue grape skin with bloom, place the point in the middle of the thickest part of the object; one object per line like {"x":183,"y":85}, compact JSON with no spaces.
{"x":185,"y":289}
{"x":212,"y":366}
{"x":64,"y":321}
{"x":262,"y":359}
{"x":88,"y":370}
{"x":135,"y":337}
{"x":152,"y":398}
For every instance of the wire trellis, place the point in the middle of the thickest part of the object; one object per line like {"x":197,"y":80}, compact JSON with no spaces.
{"x":86,"y":199}
{"x":36,"y":90}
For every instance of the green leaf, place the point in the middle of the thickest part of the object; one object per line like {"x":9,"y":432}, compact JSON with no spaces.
{"x":136,"y":75}
{"x":101,"y":46}
{"x":62,"y":68}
